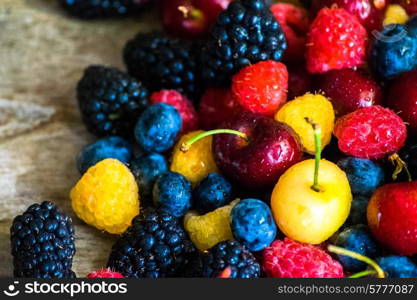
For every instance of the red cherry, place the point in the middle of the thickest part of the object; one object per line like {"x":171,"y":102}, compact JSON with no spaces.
{"x":272,"y":147}
{"x":369,"y":12}
{"x":191,"y":18}
{"x":349,"y":90}
{"x":392,"y":216}
{"x":216,"y":106}
{"x":262,"y":87}
{"x":402,"y":98}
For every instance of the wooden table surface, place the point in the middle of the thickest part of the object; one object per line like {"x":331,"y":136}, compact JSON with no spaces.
{"x":43,"y":53}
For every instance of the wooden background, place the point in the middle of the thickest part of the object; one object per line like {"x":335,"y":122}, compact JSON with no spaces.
{"x":43,"y":53}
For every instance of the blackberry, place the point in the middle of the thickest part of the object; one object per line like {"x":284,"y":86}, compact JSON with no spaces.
{"x":245,"y":33}
{"x":154,"y":246}
{"x":110,"y":101}
{"x":42,"y":243}
{"x":92,"y":9}
{"x":226,"y":254}
{"x":163,"y":63}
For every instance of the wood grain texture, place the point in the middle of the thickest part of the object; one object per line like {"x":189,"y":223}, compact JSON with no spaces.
{"x":43,"y":53}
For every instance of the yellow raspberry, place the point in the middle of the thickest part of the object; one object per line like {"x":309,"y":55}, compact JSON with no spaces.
{"x":395,"y":14}
{"x":210,"y":229}
{"x":315,"y":107}
{"x":106,"y":196}
{"x":197,"y":162}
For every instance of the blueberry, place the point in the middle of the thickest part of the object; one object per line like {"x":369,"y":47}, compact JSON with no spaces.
{"x":358,"y":210}
{"x":364,"y":175}
{"x":109,"y":147}
{"x":357,"y":239}
{"x":212,"y":192}
{"x":253,"y":224}
{"x":172,"y":192}
{"x":397,"y":266}
{"x":394,"y":51}
{"x":158,"y":127}
{"x":146,"y":168}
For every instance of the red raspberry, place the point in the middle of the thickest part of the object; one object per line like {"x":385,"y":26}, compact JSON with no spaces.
{"x":349,"y":90}
{"x":369,"y":12}
{"x":216,"y":106}
{"x":262,"y":87}
{"x":370,"y":132}
{"x":105,"y":273}
{"x":182,"y":104}
{"x":294,"y":22}
{"x":336,"y":40}
{"x":392,"y":216}
{"x":290,"y":259}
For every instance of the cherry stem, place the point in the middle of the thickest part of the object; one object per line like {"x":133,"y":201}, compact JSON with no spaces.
{"x":363,"y":274}
{"x":372,"y":263}
{"x":186,"y":146}
{"x":188,"y":13}
{"x":400,"y":165}
{"x":317,"y":143}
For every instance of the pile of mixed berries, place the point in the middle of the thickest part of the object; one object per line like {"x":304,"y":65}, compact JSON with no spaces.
{"x":209,"y":158}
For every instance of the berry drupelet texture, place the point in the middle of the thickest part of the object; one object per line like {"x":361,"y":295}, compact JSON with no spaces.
{"x":228,"y":254}
{"x":163,"y":63}
{"x":154,"y":246}
{"x":290,"y":259}
{"x":104,"y":273}
{"x":42,"y":241}
{"x":110,"y":101}
{"x":93,"y":9}
{"x":245,"y":33}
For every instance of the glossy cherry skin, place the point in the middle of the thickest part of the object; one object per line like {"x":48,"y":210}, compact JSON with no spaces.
{"x":348,"y":90}
{"x":369,"y":12}
{"x":191,"y":18}
{"x":392,"y":216}
{"x":272,"y":148}
{"x":402,"y":98}
{"x":216,"y":106}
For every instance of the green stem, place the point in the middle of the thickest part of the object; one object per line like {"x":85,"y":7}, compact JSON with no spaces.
{"x":186,"y":146}
{"x":400,"y":165}
{"x":317,"y":158}
{"x":372,"y":263}
{"x":363,"y":274}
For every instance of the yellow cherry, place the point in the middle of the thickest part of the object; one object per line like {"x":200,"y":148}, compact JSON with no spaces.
{"x":395,"y":14}
{"x":312,"y":199}
{"x":196,"y":163}
{"x":315,"y":107}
